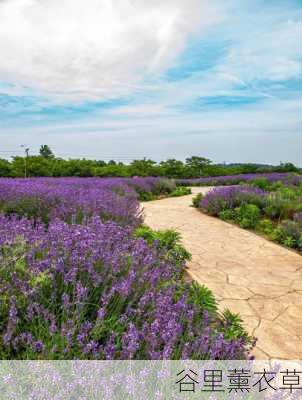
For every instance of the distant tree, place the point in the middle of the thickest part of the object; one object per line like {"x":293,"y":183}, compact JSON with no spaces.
{"x":100,"y":163}
{"x":112,"y":170}
{"x":5,"y":167}
{"x":79,"y":167}
{"x":172,"y":168}
{"x":197,"y":165}
{"x":287,"y":167}
{"x":143,"y":167}
{"x":36,"y":166}
{"x":17,"y":166}
{"x":46,"y":152}
{"x":59,"y":167}
{"x":46,"y":164}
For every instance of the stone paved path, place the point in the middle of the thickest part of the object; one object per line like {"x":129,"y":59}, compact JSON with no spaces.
{"x":248,"y":274}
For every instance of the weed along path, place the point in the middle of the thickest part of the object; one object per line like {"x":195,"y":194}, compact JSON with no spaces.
{"x":248,"y":274}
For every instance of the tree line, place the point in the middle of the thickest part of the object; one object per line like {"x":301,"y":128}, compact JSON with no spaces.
{"x":47,"y":164}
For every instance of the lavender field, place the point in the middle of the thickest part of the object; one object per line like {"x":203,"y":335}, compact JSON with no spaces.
{"x":270,"y":204}
{"x":82,"y":278}
{"x":227,"y":180}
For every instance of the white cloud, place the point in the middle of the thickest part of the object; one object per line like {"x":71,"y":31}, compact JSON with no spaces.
{"x":74,"y":50}
{"x":272,"y":52}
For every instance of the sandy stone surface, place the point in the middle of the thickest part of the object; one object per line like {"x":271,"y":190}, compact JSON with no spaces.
{"x":248,"y":274}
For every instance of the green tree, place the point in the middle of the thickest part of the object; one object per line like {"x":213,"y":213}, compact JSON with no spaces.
{"x":112,"y":170}
{"x":79,"y":167}
{"x":5,"y":167}
{"x":172,"y":168}
{"x":196,"y":165}
{"x":111,"y":162}
{"x":287,"y":167}
{"x":46,"y":152}
{"x":35,"y":165}
{"x":143,"y":167}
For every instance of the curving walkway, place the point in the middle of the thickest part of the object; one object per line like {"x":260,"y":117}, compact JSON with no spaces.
{"x":248,"y":274}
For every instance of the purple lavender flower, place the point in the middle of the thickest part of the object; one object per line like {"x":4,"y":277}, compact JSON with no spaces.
{"x":229,"y":197}
{"x":84,"y":286}
{"x":38,"y":346}
{"x":229,"y":180}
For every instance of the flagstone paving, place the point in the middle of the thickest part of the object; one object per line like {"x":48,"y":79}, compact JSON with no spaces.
{"x":247,"y":273}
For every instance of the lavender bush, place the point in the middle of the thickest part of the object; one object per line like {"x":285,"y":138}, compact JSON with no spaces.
{"x":78,"y":199}
{"x":95,"y":291}
{"x":225,"y":198}
{"x":78,"y":280}
{"x":149,"y":188}
{"x":243,"y":178}
{"x":70,"y":199}
{"x":277,"y":213}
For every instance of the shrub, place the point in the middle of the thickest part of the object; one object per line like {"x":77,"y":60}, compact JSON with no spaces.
{"x":289,"y":233}
{"x":221,"y":199}
{"x":289,"y":242}
{"x":97,"y":292}
{"x":227,"y":215}
{"x":298,"y":218}
{"x":164,"y":238}
{"x":280,"y":206}
{"x":169,"y":240}
{"x":248,"y":215}
{"x":291,"y":229}
{"x":148,"y":188}
{"x":261,"y":183}
{"x":165,"y":186}
{"x":287,"y":193}
{"x":180,"y":191}
{"x":265,"y":226}
{"x":276,"y":186}
{"x":146,"y":196}
{"x":197,"y":200}
{"x":232,"y":325}
{"x":276,"y":235}
{"x":203,"y":297}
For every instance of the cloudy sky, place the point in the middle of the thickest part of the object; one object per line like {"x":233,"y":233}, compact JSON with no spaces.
{"x":126,"y":79}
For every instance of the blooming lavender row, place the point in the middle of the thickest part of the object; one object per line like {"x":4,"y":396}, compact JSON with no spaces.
{"x":275,"y":212}
{"x":236,"y":179}
{"x":75,"y":282}
{"x":229,"y":197}
{"x":95,"y":292}
{"x":78,"y":199}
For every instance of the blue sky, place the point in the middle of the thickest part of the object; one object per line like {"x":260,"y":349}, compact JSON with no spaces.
{"x":127,"y":79}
